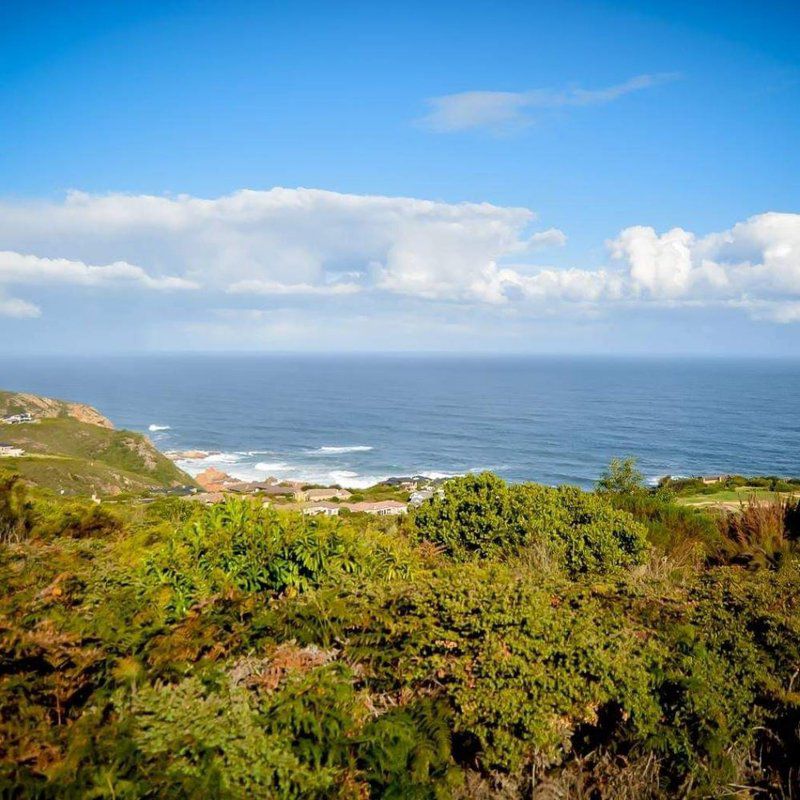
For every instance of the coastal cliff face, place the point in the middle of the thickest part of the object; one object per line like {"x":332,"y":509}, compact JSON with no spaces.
{"x":74,"y":449}
{"x":50,"y":408}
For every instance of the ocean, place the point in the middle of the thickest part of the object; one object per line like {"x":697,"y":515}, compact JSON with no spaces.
{"x":355,"y":420}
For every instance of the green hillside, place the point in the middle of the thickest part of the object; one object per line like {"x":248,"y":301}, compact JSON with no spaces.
{"x":72,"y":448}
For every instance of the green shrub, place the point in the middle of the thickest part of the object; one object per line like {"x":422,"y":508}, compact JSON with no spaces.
{"x":195,"y":742}
{"x":480,"y":515}
{"x":240,"y":545}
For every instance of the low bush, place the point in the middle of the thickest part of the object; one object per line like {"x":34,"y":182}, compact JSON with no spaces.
{"x":16,"y":510}
{"x":480,"y":515}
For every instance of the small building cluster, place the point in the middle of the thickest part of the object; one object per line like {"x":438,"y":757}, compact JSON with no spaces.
{"x":381,"y":508}
{"x":17,"y":419}
{"x":326,"y":501}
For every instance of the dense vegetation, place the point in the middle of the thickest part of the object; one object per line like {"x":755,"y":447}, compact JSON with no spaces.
{"x":502,"y":641}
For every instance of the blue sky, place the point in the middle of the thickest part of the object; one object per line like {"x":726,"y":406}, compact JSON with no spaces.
{"x":602,"y":127}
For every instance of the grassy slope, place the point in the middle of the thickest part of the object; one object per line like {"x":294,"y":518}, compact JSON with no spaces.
{"x":63,"y":453}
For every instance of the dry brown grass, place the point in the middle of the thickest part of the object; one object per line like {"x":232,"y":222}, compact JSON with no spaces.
{"x":759,"y":533}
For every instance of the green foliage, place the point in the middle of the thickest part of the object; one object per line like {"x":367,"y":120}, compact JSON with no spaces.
{"x":16,"y":511}
{"x":77,"y":520}
{"x":240,"y":545}
{"x":672,"y":528}
{"x":192,"y":741}
{"x":621,"y":477}
{"x":182,"y":651}
{"x":482,"y":515}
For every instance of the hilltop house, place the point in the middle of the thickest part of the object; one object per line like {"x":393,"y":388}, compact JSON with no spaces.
{"x":17,"y":419}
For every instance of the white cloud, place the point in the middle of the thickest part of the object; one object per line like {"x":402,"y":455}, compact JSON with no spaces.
{"x":504,"y":111}
{"x":18,"y":309}
{"x":275,"y":288}
{"x":306,"y":244}
{"x":18,"y":268}
{"x":756,"y":262}
{"x":281,"y":241}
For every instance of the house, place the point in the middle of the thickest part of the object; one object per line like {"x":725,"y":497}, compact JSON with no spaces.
{"x":382,"y":508}
{"x":320,"y":508}
{"x":418,"y":498}
{"x":10,"y":451}
{"x":291,"y":491}
{"x":17,"y":419}
{"x":330,"y":493}
{"x":709,"y":479}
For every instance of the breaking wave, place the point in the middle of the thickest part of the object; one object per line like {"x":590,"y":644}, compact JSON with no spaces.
{"x":348,"y":448}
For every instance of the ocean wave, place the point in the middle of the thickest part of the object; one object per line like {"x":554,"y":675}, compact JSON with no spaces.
{"x":350,"y":480}
{"x":153,"y":428}
{"x":345,"y":448}
{"x":274,"y":466}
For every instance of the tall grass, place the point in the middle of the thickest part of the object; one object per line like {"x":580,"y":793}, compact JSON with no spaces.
{"x":760,"y":532}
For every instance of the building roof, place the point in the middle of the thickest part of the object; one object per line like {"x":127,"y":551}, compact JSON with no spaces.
{"x":278,"y":490}
{"x":324,"y":494}
{"x":375,"y":505}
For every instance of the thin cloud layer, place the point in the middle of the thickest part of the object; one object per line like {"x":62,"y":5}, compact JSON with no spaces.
{"x":325,"y":249}
{"x":17,"y":309}
{"x":506,"y":111}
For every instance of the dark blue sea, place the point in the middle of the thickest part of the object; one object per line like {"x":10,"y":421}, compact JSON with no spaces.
{"x":357,"y":419}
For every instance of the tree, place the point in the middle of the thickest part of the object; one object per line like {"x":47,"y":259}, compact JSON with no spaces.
{"x":621,"y":477}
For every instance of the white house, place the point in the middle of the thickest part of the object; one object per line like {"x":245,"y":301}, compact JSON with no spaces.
{"x":10,"y":451}
{"x":16,"y":419}
{"x":321,"y":508}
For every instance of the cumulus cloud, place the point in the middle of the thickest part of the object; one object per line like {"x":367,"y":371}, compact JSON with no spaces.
{"x":281,"y":241}
{"x":326,"y":246}
{"x":756,"y":262}
{"x":504,"y":111}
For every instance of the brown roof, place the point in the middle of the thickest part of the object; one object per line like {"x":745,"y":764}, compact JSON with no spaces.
{"x":324,"y":494}
{"x":279,"y":491}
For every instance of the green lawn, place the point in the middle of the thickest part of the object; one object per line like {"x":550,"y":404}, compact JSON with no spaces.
{"x":740,"y":495}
